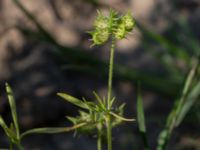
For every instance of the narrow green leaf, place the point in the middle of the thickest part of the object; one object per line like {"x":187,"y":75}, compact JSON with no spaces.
{"x":140,"y":113}
{"x":141,"y":119}
{"x":121,"y":107}
{"x":163,"y":139}
{"x":187,"y":94}
{"x":2,"y":123}
{"x":73,"y":100}
{"x":120,"y":117}
{"x":10,"y":133}
{"x":112,"y":101}
{"x":51,"y":130}
{"x":177,"y":113}
{"x":13,"y":108}
{"x":74,"y":120}
{"x":101,"y":102}
{"x":192,"y":97}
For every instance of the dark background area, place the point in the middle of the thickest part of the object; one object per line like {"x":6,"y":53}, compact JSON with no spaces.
{"x":37,"y":67}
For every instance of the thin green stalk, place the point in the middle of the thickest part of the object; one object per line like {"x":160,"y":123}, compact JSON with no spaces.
{"x":109,"y":132}
{"x":99,"y":140}
{"x":11,"y":146}
{"x":19,"y":146}
{"x":110,"y":76}
{"x":99,"y":147}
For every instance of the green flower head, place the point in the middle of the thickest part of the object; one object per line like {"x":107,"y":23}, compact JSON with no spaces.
{"x":101,"y":22}
{"x":100,"y":36}
{"x":128,"y":21}
{"x":120,"y":32}
{"x":113,"y":26}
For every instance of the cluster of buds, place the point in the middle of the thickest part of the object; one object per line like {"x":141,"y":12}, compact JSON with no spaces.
{"x":113,"y":26}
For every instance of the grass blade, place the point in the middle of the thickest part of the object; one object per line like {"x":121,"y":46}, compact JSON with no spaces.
{"x":13,"y":108}
{"x":10,"y":133}
{"x":141,"y":120}
{"x":5,"y":127}
{"x":51,"y":130}
{"x":192,"y":97}
{"x":73,"y":100}
{"x":178,"y":113}
{"x":3,"y":124}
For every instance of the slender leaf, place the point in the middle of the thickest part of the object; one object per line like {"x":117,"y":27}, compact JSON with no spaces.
{"x":13,"y":108}
{"x":140,"y":113}
{"x":51,"y":130}
{"x":73,"y":100}
{"x":10,"y":133}
{"x":177,"y":113}
{"x":120,"y":117}
{"x":101,"y":102}
{"x":163,"y":139}
{"x":2,"y":123}
{"x":141,"y":120}
{"x":192,"y":97}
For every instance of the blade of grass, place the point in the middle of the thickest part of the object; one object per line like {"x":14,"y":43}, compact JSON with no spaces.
{"x":191,"y":99}
{"x":10,"y":133}
{"x":141,"y":120}
{"x":175,"y":113}
{"x":13,"y":109}
{"x":187,"y":94}
{"x":51,"y":130}
{"x":4,"y":126}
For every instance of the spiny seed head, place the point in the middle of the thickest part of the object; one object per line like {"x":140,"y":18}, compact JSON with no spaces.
{"x":100,"y":36}
{"x":101,"y":22}
{"x":128,"y":21}
{"x":112,"y":25}
{"x":120,"y":32}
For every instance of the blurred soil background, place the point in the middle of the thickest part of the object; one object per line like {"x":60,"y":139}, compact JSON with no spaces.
{"x":37,"y":67}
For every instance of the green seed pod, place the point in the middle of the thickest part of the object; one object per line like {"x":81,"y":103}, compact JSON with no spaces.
{"x":100,"y":36}
{"x":128,"y":21}
{"x":120,"y":32}
{"x":101,"y":22}
{"x":112,"y":25}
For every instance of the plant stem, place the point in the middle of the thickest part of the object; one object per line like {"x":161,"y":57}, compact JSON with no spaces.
{"x":110,"y":76}
{"x":109,"y":133}
{"x":19,"y":146}
{"x":11,"y":146}
{"x":99,"y":140}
